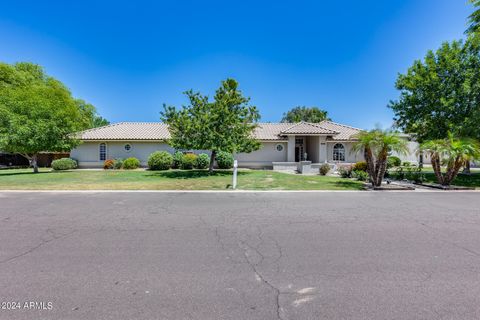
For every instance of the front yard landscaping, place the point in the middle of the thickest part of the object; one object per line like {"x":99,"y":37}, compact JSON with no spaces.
{"x":24,"y":179}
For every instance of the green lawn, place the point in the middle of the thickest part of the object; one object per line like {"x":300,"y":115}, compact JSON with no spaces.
{"x":463,"y":180}
{"x":24,"y":179}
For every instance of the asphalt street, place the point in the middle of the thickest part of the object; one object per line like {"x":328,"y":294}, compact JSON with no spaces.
{"x":331,"y":255}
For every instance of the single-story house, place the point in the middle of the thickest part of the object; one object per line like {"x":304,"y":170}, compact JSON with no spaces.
{"x":283,"y":144}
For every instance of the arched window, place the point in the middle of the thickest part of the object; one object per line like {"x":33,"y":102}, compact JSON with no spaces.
{"x":102,"y":151}
{"x":338,"y":152}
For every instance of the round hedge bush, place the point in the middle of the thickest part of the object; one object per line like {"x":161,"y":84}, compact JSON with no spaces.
{"x":203,"y":161}
{"x":177,"y":160}
{"x":118,"y":164}
{"x":360,"y":166}
{"x":324,"y":169}
{"x":224,"y":160}
{"x":393,"y":161}
{"x":64,"y":164}
{"x":108,"y":164}
{"x":188,"y":161}
{"x":160,"y":160}
{"x":131,"y":163}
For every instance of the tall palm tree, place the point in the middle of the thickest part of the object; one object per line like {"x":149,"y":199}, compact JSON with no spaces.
{"x":376,"y":145}
{"x":452,"y":153}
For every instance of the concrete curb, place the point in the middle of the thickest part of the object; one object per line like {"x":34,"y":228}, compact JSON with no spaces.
{"x":233,"y":191}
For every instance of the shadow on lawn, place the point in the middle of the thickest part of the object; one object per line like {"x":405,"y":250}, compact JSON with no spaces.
{"x":190,"y":174}
{"x":5,"y":174}
{"x":349,"y":184}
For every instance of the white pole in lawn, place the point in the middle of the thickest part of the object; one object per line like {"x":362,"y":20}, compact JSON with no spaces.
{"x":235,"y":169}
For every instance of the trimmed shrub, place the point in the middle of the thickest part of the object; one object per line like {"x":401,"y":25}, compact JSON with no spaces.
{"x":108,"y":164}
{"x":131,"y":163}
{"x":177,"y":160}
{"x":64,"y":164}
{"x":345,"y":172}
{"x":407,"y":164}
{"x":360,"y":166}
{"x":203,"y":161}
{"x":224,"y":160}
{"x":118,"y":164}
{"x":360,"y":175}
{"x":324,"y":169}
{"x":188,"y":161}
{"x":393,"y":162}
{"x":160,"y":160}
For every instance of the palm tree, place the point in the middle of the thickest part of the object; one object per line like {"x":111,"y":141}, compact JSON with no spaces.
{"x":376,"y":145}
{"x":452,"y":153}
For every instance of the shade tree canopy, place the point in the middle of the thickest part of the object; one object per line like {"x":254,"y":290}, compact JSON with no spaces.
{"x":225,"y":123}
{"x":306,"y":114}
{"x":38,"y":112}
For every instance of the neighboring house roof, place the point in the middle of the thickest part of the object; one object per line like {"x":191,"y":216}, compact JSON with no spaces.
{"x":264,"y":131}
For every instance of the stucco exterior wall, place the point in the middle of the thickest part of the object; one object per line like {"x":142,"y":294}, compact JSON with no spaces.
{"x":87,"y":154}
{"x":264,"y":157}
{"x":313,"y":149}
{"x":350,"y":156}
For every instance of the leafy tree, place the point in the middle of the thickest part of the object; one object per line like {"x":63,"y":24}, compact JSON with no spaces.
{"x":91,"y":116}
{"x":376,"y":145}
{"x":453,"y":153}
{"x":474,"y":19}
{"x":307,"y":114}
{"x":37,"y":112}
{"x":441,"y":94}
{"x":224,"y":124}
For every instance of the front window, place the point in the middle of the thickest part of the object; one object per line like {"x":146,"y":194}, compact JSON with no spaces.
{"x":127,"y":147}
{"x":102,"y":151}
{"x":338,"y":152}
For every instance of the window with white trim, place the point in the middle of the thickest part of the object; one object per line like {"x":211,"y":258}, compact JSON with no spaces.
{"x":102,"y":151}
{"x":279,"y":147}
{"x":338,"y":152}
{"x":127,"y":147}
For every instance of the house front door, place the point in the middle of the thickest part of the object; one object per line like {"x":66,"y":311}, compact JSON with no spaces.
{"x":299,"y":149}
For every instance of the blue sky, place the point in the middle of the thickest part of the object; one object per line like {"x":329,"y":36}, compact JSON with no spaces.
{"x":129,"y":57}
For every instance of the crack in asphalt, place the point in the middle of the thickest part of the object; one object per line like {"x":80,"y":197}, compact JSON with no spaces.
{"x":54,"y":237}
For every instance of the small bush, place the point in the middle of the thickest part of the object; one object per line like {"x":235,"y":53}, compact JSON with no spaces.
{"x":324,"y":169}
{"x":360,"y":166}
{"x":224,"y":160}
{"x":160,"y":160}
{"x":188,"y":161}
{"x":407,"y":164}
{"x":203,"y":161}
{"x":177,"y":160}
{"x":108,"y":164}
{"x":118,"y":164}
{"x":64,"y":164}
{"x":393,"y":162}
{"x":345,"y":172}
{"x":360,"y":175}
{"x":131,"y":163}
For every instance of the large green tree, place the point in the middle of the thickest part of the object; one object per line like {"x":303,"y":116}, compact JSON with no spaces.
{"x":37,"y":112}
{"x":441,"y":93}
{"x":92,"y":118}
{"x":307,"y":114}
{"x":474,"y":19}
{"x":224,"y":124}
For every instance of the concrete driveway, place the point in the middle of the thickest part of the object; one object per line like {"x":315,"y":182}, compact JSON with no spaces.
{"x":358,"y":255}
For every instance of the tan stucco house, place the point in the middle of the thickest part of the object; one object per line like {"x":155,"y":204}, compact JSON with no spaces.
{"x":283,"y":144}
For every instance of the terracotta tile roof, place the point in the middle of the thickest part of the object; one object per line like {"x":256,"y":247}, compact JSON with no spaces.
{"x":128,"y":131}
{"x":308,"y":128}
{"x":264,"y":131}
{"x":344,"y":132}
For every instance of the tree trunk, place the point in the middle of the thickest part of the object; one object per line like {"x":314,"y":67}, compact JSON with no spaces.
{"x":212,"y":161}
{"x":466,"y":170}
{"x":34,"y":164}
{"x":437,"y":169}
{"x":370,"y":164}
